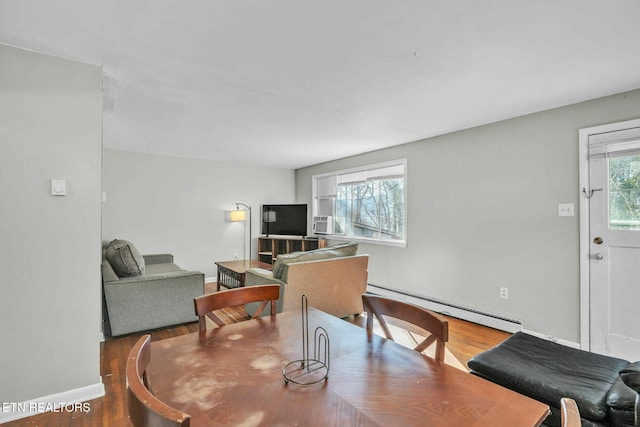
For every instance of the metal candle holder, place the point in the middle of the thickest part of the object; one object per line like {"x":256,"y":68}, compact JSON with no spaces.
{"x":307,"y":370}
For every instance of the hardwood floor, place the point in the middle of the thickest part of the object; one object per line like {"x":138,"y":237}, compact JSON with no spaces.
{"x":465,"y":340}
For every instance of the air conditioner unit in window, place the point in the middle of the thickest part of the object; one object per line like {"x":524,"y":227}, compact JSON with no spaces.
{"x":323,"y":224}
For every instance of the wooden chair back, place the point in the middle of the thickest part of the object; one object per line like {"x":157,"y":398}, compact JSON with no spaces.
{"x":205,"y":305}
{"x":144,"y":408}
{"x":569,"y":413}
{"x":436,"y":325}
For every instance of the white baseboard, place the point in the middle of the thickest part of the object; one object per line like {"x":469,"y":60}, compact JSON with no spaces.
{"x":552,"y":338}
{"x":66,"y":401}
{"x":461,"y":312}
{"x":466,"y":313}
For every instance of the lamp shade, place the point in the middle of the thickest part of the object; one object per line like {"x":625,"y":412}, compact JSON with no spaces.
{"x":237,"y":215}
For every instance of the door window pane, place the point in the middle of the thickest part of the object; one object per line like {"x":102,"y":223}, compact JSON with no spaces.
{"x":624,"y":193}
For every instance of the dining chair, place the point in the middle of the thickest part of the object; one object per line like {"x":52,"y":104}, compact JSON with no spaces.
{"x":569,"y":413}
{"x":144,"y":408}
{"x":205,"y":305}
{"x":436,"y":325}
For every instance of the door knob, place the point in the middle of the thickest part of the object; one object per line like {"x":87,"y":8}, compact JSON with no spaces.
{"x":597,"y":257}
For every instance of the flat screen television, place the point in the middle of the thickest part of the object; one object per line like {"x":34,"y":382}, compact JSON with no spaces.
{"x":285,"y":220}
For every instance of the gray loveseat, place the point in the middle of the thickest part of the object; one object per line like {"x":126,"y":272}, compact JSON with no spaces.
{"x":146,"y":292}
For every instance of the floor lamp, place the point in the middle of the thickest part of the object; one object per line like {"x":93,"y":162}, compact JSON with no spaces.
{"x":239,"y":215}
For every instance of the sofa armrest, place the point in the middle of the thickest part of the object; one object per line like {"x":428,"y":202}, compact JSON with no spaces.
{"x":158,"y":259}
{"x":631,"y":376}
{"x":108,"y":273}
{"x":161,"y":277}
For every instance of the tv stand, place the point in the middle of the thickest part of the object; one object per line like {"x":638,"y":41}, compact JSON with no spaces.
{"x":269,"y":247}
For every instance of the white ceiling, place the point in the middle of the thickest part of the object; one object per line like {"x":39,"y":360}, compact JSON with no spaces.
{"x":290,"y":83}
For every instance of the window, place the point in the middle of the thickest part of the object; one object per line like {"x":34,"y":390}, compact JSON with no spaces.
{"x":621,"y":151}
{"x":624,"y":192}
{"x":367,"y":203}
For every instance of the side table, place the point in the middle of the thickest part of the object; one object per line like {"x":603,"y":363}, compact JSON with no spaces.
{"x":231,"y":273}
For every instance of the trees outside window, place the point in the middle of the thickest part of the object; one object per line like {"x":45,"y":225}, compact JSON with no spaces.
{"x":365,"y":203}
{"x":624,"y":192}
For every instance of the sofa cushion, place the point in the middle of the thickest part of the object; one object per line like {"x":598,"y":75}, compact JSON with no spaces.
{"x":548,"y":371}
{"x":125,"y":258}
{"x":335,"y":251}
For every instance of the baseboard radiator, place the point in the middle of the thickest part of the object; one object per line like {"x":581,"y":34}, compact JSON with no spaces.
{"x":459,"y":311}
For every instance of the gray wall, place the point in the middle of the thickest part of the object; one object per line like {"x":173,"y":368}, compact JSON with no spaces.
{"x":50,"y":308}
{"x":482,"y":214}
{"x":175,"y":205}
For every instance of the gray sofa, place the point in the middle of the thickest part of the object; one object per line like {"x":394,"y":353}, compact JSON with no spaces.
{"x":146,"y":292}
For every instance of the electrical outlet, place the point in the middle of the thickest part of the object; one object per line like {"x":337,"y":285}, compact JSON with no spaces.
{"x":504,"y":293}
{"x":235,"y":255}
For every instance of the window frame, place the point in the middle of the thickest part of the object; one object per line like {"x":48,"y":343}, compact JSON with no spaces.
{"x":361,"y":169}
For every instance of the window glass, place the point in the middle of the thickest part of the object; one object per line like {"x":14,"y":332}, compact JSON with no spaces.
{"x":367,"y":203}
{"x":624,"y":192}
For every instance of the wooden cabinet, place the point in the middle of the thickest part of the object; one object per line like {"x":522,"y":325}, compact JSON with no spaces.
{"x":270,"y":247}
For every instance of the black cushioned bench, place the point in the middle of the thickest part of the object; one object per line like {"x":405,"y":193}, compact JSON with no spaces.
{"x":548,"y":371}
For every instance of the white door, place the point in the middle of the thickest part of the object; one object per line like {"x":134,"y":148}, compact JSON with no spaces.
{"x":614,"y":242}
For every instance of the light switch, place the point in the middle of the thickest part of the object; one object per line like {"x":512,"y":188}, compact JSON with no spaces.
{"x":58,"y":187}
{"x":565,"y":209}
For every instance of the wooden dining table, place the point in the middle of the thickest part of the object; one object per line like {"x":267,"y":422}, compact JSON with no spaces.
{"x":233,"y":376}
